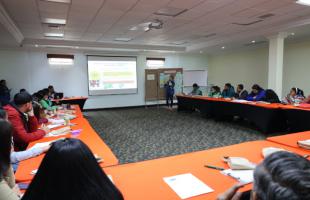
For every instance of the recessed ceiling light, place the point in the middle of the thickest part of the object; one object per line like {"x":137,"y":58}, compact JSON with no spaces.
{"x":223,"y":47}
{"x":253,"y":41}
{"x":54,"y":21}
{"x":134,"y":28}
{"x":179,"y":42}
{"x":292,"y":34}
{"x":170,"y":11}
{"x":200,"y":51}
{"x":122,"y":39}
{"x":53,"y":35}
{"x":304,"y":2}
{"x":58,"y":1}
{"x":36,"y":45}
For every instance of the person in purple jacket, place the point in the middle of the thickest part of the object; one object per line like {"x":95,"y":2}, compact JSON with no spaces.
{"x":257,"y":94}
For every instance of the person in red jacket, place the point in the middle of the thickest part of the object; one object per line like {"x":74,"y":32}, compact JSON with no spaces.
{"x":25,"y":124}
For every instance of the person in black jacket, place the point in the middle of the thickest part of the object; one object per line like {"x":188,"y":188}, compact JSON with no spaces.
{"x":4,"y":93}
{"x":271,"y":97}
{"x":241,"y":92}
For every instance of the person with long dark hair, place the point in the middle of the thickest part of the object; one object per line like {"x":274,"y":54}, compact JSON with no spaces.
{"x":257,"y":94}
{"x":215,"y":92}
{"x":69,"y":171}
{"x":281,"y":176}
{"x":8,"y":189}
{"x":45,"y":101}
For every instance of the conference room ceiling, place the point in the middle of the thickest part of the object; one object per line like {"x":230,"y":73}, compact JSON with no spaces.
{"x":6,"y":39}
{"x":205,"y":25}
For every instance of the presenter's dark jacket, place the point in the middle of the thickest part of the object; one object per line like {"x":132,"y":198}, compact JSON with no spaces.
{"x":169,"y":86}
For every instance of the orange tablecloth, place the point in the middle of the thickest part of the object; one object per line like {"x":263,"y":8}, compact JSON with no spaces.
{"x":289,"y":107}
{"x":88,"y":136}
{"x":291,"y":139}
{"x":144,"y":180}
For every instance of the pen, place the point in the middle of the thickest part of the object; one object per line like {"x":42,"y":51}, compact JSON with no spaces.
{"x":214,"y":167}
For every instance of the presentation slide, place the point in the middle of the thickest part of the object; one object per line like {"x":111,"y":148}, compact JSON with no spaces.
{"x":112,"y":75}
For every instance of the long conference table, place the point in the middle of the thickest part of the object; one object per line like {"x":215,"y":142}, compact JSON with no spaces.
{"x":268,"y":117}
{"x":144,"y":180}
{"x":88,"y":136}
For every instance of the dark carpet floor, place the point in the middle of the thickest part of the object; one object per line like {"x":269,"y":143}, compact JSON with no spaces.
{"x":137,"y":134}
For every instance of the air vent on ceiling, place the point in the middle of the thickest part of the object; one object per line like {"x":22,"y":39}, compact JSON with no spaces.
{"x":53,"y":26}
{"x":170,"y":11}
{"x":122,"y":39}
{"x":59,"y":1}
{"x":254,"y":44}
{"x":249,"y":23}
{"x":179,"y":42}
{"x":209,"y":35}
{"x":266,"y":16}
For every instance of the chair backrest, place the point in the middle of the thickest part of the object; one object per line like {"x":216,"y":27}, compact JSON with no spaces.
{"x":271,"y":96}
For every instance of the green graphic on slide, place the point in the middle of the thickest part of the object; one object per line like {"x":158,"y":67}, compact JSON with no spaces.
{"x":108,"y":86}
{"x":118,"y":74}
{"x":94,"y":75}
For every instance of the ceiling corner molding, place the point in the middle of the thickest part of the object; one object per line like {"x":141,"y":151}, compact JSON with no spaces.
{"x":6,"y":20}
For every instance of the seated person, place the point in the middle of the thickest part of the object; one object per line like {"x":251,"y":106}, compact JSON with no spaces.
{"x":215,"y":92}
{"x":18,"y":156}
{"x":79,"y":178}
{"x":4,"y":93}
{"x":22,"y":90}
{"x":257,"y":94}
{"x":228,"y":91}
{"x":8,"y":188}
{"x":45,"y":101}
{"x":196,"y":90}
{"x":51,"y":92}
{"x":271,"y":96}
{"x":296,"y":96}
{"x":241,"y":92}
{"x":25,"y":124}
{"x":281,"y":176}
{"x":39,"y":113}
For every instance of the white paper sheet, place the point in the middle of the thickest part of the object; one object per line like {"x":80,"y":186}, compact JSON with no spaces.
{"x":57,"y":121}
{"x":150,"y":77}
{"x":51,"y":126}
{"x":243,"y":176}
{"x":187,"y":185}
{"x":41,"y":145}
{"x":240,"y":101}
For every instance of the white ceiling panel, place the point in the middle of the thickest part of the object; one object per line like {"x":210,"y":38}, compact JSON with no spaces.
{"x":105,"y":20}
{"x":50,"y":7}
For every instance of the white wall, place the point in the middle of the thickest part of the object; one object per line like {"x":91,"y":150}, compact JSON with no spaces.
{"x":30,"y":70}
{"x":246,"y":67}
{"x":296,"y":72}
{"x":251,"y":66}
